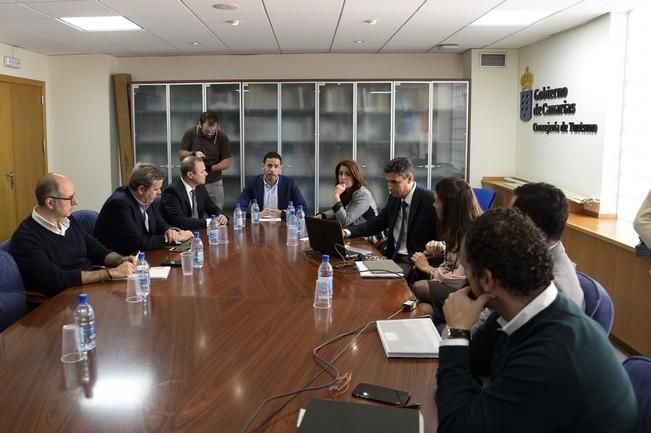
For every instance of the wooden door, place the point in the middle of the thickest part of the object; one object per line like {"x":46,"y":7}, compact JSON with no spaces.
{"x":22,"y":148}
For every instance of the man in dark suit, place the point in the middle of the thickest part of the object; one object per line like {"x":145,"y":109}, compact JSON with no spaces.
{"x":185,"y":202}
{"x":409,"y":215}
{"x":272,"y":190}
{"x":128,"y":222}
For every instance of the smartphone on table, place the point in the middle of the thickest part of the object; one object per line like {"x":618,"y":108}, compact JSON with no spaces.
{"x":382,"y":394}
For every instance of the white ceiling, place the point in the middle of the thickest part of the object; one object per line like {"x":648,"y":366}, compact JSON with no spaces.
{"x":286,"y":26}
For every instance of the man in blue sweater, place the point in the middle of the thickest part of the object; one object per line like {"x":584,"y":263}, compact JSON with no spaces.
{"x":53,"y":251}
{"x":538,"y":364}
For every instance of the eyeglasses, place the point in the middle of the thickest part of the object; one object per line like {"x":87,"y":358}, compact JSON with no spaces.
{"x":71,"y":198}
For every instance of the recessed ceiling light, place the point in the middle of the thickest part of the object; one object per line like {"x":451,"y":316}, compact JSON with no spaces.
{"x":195,"y":43}
{"x":100,"y":24}
{"x":371,"y":22}
{"x":225,"y":6}
{"x":359,"y":41}
{"x":518,"y":18}
{"x":233,"y":22}
{"x":447,"y":46}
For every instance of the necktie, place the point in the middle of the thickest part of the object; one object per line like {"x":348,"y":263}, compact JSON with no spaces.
{"x":195,"y":211}
{"x":146,"y":219}
{"x":403,"y":225}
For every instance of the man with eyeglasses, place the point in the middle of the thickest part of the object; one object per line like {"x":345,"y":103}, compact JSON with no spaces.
{"x":54,"y":251}
{"x":206,"y":141}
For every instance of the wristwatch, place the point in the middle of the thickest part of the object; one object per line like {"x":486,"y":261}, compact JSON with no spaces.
{"x":451,"y":333}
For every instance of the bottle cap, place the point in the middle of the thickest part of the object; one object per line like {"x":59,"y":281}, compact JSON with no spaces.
{"x":255,"y":200}
{"x":237,"y":205}
{"x":300,"y":206}
{"x":325,"y":258}
{"x":290,"y":203}
{"x":213,"y":216}
{"x":83,"y":298}
{"x":141,"y":255}
{"x":196,"y":235}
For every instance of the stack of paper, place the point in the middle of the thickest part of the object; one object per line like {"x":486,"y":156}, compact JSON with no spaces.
{"x":409,"y":338}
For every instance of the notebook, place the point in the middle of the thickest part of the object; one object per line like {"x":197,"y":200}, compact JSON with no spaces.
{"x":386,"y":268}
{"x":325,"y":236}
{"x":409,"y":338}
{"x":333,"y":416}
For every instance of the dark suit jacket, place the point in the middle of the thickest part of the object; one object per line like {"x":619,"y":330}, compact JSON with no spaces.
{"x":287,"y":190}
{"x":177,"y":209}
{"x":421,"y":222}
{"x":120,"y":224}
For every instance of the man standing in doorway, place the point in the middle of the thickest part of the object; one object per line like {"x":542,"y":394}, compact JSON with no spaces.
{"x":206,"y":141}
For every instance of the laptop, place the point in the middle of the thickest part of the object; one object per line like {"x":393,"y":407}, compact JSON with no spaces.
{"x":325,"y":236}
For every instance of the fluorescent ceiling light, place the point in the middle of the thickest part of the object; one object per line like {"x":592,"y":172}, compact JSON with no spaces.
{"x":511,"y":18}
{"x":100,"y":24}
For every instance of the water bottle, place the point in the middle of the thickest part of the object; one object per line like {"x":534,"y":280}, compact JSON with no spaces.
{"x":292,"y":230}
{"x":237,"y":217}
{"x":213,"y":236}
{"x":85,"y":321}
{"x":300,"y":219}
{"x":197,"y":251}
{"x":323,"y":295}
{"x":290,"y":209}
{"x":144,"y":279}
{"x":255,"y":212}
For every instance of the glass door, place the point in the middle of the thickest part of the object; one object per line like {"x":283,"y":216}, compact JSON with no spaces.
{"x":224,"y":99}
{"x":411,"y":130}
{"x":449,"y":130}
{"x":298,"y":114}
{"x":260,"y":124}
{"x":335,"y":135}
{"x":150,"y":135}
{"x":186,"y":105}
{"x":374,"y":135}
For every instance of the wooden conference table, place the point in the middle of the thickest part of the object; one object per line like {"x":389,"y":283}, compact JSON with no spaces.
{"x":207,"y":349}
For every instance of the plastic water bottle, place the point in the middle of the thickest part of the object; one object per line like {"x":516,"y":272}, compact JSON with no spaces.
{"x":197,"y":251}
{"x":85,"y":321}
{"x":237,"y":217}
{"x":300,"y":219}
{"x":290,"y":209}
{"x":213,"y":236}
{"x":255,"y":212}
{"x":292,"y":230}
{"x":324,"y":285}
{"x":144,"y":279}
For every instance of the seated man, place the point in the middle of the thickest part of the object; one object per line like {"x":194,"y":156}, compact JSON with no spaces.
{"x":272,"y":190}
{"x":409,"y":215}
{"x":546,"y":205}
{"x":185,"y":202}
{"x":546,"y":366}
{"x":128,"y":222}
{"x":53,"y":251}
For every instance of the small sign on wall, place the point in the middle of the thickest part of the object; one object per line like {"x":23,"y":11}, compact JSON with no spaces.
{"x":11,"y":62}
{"x":546,"y":102}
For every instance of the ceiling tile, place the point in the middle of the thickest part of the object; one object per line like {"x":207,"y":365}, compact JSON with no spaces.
{"x":144,"y":8}
{"x":83,"y":8}
{"x":13,"y":12}
{"x":141,"y":42}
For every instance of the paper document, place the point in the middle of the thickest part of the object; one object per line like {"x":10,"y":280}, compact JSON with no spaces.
{"x":364,"y":272}
{"x":159,"y":272}
{"x":269,"y":220}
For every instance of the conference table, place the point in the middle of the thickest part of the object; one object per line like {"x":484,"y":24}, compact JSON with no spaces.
{"x":208,"y":348}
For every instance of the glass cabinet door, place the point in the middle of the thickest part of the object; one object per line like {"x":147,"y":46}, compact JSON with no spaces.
{"x":298,"y":136}
{"x":335,"y":135}
{"x":224,"y":99}
{"x":411,"y":130}
{"x":449,"y":130}
{"x":150,"y":125}
{"x":374,"y":135}
{"x":260,"y":124}
{"x":186,"y":105}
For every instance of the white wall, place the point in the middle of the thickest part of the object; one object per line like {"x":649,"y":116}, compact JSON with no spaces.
{"x":33,"y":65}
{"x":493,"y":115}
{"x":588,"y":61}
{"x":294,"y":66}
{"x":80,"y":130}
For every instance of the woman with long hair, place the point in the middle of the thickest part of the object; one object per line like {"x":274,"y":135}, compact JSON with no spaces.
{"x":353,"y":203}
{"x":456,"y":208}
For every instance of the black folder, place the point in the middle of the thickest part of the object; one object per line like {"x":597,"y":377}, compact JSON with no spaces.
{"x":333,"y":416}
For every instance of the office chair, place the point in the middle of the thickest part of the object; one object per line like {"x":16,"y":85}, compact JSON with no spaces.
{"x":598,"y":304}
{"x":639,"y":371}
{"x":5,"y":245}
{"x":12,"y":292}
{"x":484,"y":197}
{"x":86,"y":219}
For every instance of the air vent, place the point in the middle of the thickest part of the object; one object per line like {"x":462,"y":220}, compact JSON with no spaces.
{"x":492,"y":60}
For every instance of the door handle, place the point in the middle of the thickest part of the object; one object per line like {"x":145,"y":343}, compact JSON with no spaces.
{"x":12,"y":175}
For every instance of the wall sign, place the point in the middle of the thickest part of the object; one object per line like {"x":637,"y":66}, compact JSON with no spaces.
{"x":549,"y":101}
